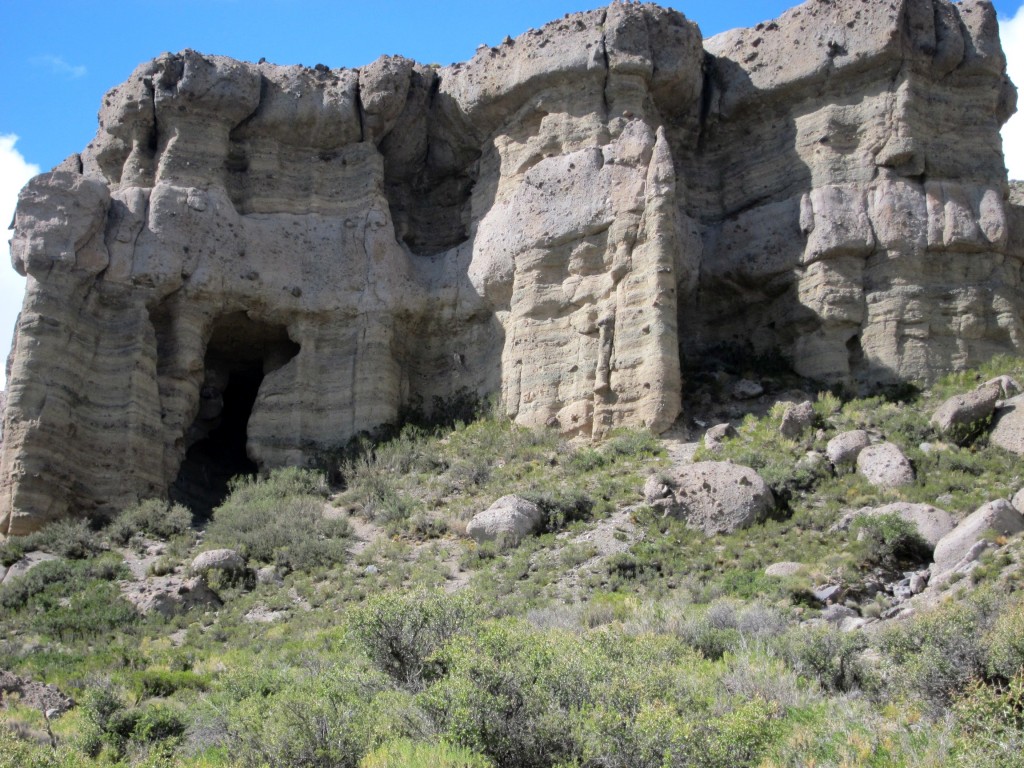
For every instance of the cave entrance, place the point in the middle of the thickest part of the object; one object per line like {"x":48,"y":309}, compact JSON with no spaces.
{"x":240,"y":353}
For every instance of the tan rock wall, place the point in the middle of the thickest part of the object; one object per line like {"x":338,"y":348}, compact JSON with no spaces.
{"x":559,"y":222}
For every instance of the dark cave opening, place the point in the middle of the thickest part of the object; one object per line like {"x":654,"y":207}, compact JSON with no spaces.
{"x":240,"y":353}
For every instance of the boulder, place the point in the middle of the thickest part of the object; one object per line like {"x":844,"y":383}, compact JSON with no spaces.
{"x":845,"y":447}
{"x":718,"y":497}
{"x":507,"y":521}
{"x":998,"y":516}
{"x":834,"y":614}
{"x":885,"y":466}
{"x":961,"y":417}
{"x":28,"y":561}
{"x":1008,"y":426}
{"x":1018,"y":501}
{"x":226,"y":560}
{"x":931,"y":522}
{"x":796,"y":419}
{"x":1008,"y":386}
{"x":784,"y":569}
{"x":713,"y":437}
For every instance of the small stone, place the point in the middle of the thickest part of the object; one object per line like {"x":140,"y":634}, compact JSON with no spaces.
{"x":783,"y":569}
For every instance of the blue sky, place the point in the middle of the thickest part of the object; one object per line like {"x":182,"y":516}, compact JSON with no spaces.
{"x":59,"y":58}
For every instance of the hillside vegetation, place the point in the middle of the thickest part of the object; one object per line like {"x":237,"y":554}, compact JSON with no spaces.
{"x":367,"y":630}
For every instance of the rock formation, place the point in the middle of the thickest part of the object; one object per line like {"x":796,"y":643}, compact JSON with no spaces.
{"x":251,"y":263}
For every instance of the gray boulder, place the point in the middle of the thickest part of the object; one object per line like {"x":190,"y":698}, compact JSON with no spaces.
{"x":717,"y":497}
{"x":962,"y":416}
{"x":226,"y":560}
{"x":783,"y":569}
{"x":1018,"y":501}
{"x":1008,"y":426}
{"x":845,"y":447}
{"x":796,"y":418}
{"x":508,"y":521}
{"x":713,"y":437}
{"x":29,"y":561}
{"x":931,"y":522}
{"x":885,"y":466}
{"x":1008,"y":386}
{"x":998,"y":516}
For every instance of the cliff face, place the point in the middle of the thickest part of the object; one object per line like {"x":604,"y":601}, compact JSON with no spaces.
{"x":259,"y":261}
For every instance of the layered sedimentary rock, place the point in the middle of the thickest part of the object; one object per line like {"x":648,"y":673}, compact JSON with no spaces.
{"x":264,"y":260}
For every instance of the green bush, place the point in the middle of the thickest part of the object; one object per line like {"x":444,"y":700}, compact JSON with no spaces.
{"x":73,"y":539}
{"x":936,"y":654}
{"x":889,"y":540}
{"x":280,"y":520}
{"x":1006,"y":643}
{"x":403,"y":633}
{"x":826,"y":655}
{"x":152,"y":517}
{"x":405,"y":753}
{"x":163,"y":683}
{"x":990,"y":724}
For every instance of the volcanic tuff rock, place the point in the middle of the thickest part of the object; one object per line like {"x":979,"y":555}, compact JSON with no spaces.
{"x":279,"y":257}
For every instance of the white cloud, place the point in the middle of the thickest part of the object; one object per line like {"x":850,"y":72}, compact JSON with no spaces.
{"x":58,"y":66}
{"x":14,"y":172}
{"x":1012,"y":33}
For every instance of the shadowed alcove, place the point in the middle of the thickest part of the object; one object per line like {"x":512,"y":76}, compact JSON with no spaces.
{"x":239,"y":354}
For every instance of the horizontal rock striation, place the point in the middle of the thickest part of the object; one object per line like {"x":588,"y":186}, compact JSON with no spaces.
{"x":262,"y":261}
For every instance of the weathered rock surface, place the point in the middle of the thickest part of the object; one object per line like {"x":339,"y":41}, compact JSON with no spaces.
{"x":796,"y":419}
{"x":226,"y":560}
{"x":845,"y":447}
{"x":712,"y":496}
{"x":885,"y":466}
{"x":783,"y":569}
{"x":508,"y":520}
{"x":169,"y":595}
{"x":273,"y":258}
{"x":29,"y":693}
{"x":966,"y":541}
{"x":1008,"y":426}
{"x":963,"y":415}
{"x":713,"y":437}
{"x":29,"y":561}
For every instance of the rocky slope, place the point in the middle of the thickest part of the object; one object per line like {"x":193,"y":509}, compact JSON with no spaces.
{"x":256,"y":262}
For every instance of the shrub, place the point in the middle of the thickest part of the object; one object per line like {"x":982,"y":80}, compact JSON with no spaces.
{"x":321,"y":717}
{"x":936,"y":654}
{"x":162,"y":683}
{"x":73,"y":539}
{"x":990,"y":721}
{"x":405,"y":753}
{"x":1006,"y":643}
{"x":280,"y":520}
{"x":889,"y":540}
{"x":152,"y":517}
{"x":403,"y":633}
{"x":827,"y":655}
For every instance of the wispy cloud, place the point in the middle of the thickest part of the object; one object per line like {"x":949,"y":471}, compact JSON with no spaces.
{"x":1012,"y":33}
{"x":14,"y":172}
{"x":58,"y":66}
